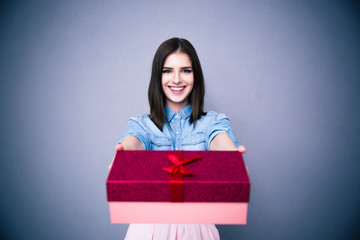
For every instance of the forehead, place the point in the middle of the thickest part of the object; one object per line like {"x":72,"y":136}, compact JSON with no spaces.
{"x":177,"y":59}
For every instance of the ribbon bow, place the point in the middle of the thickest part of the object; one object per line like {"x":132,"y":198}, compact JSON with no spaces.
{"x":178,"y":165}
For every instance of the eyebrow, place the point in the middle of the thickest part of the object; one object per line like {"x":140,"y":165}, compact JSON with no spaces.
{"x":181,"y":68}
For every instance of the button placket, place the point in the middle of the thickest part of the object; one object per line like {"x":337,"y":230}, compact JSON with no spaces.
{"x":177,"y":130}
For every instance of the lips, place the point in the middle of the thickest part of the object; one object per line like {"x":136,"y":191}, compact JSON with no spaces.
{"x":177,"y":90}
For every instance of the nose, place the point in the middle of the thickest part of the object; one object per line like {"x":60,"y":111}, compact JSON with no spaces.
{"x":177,"y":78}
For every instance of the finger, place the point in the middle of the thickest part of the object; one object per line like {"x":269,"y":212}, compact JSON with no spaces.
{"x":241,"y":149}
{"x":119,"y":147}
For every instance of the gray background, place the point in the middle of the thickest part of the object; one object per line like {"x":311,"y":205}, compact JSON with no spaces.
{"x":285,"y":72}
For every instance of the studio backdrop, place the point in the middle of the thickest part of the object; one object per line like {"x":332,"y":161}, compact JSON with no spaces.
{"x":286,"y":73}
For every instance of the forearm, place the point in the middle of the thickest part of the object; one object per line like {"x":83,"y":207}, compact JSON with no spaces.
{"x":131,"y":142}
{"x":222,"y":141}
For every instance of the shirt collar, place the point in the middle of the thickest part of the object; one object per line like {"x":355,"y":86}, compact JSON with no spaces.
{"x":185,"y":112}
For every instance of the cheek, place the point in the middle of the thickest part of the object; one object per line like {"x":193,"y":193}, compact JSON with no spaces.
{"x":191,"y":81}
{"x":165,"y":79}
{"x":164,"y":83}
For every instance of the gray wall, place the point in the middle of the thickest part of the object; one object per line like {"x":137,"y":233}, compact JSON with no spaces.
{"x":285,"y":72}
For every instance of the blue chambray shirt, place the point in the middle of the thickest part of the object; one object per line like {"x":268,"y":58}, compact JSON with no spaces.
{"x":182,"y":135}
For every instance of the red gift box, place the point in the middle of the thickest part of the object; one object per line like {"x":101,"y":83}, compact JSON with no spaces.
{"x":218,"y":176}
{"x":214,"y":187}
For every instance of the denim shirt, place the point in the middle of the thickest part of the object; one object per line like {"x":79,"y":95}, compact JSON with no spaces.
{"x":181,"y":135}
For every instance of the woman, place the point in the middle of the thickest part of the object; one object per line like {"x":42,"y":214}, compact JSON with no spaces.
{"x":177,"y":122}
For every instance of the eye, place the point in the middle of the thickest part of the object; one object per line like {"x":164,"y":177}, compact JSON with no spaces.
{"x":166,"y":71}
{"x":187,"y":70}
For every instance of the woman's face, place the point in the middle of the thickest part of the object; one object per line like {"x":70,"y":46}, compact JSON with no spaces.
{"x":177,"y":80}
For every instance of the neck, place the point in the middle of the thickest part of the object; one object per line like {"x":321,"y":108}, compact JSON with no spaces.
{"x":176,"y":107}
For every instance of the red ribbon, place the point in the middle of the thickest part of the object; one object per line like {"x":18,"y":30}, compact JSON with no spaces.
{"x":177,"y":172}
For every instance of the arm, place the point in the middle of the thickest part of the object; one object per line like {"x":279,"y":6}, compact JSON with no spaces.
{"x":130,"y":142}
{"x":222,"y":141}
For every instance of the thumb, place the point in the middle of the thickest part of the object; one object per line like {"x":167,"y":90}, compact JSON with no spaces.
{"x":119,"y":147}
{"x":241,"y":149}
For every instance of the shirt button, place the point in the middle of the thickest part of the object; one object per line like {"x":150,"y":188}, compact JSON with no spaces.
{"x":176,"y":148}
{"x":177,"y":132}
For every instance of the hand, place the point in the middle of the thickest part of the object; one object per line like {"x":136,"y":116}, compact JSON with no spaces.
{"x":241,"y":149}
{"x":119,"y":147}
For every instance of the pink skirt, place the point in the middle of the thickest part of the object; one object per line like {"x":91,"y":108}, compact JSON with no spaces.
{"x":172,"y":232}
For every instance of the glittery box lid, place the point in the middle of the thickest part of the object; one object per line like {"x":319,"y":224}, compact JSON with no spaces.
{"x":219,"y":176}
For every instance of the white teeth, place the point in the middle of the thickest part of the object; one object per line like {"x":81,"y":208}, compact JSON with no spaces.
{"x":177,"y":88}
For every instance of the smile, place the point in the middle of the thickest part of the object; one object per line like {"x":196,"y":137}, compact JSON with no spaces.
{"x":177,"y":89}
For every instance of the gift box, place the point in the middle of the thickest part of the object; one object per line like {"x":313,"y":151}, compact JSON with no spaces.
{"x":178,"y":187}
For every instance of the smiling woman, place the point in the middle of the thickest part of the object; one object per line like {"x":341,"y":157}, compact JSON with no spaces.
{"x":177,"y":122}
{"x":177,"y":80}
{"x":172,"y":56}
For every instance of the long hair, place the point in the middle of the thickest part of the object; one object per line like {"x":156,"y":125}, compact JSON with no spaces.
{"x":155,"y":92}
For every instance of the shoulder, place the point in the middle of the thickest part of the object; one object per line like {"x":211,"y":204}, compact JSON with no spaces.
{"x":212,"y":119}
{"x":144,"y":122}
{"x":211,"y":115}
{"x":142,"y":118}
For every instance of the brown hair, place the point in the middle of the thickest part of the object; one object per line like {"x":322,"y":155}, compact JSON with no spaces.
{"x":155,"y":92}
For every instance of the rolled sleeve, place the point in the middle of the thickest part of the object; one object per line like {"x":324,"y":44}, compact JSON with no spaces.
{"x":134,"y":128}
{"x":220,"y":124}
